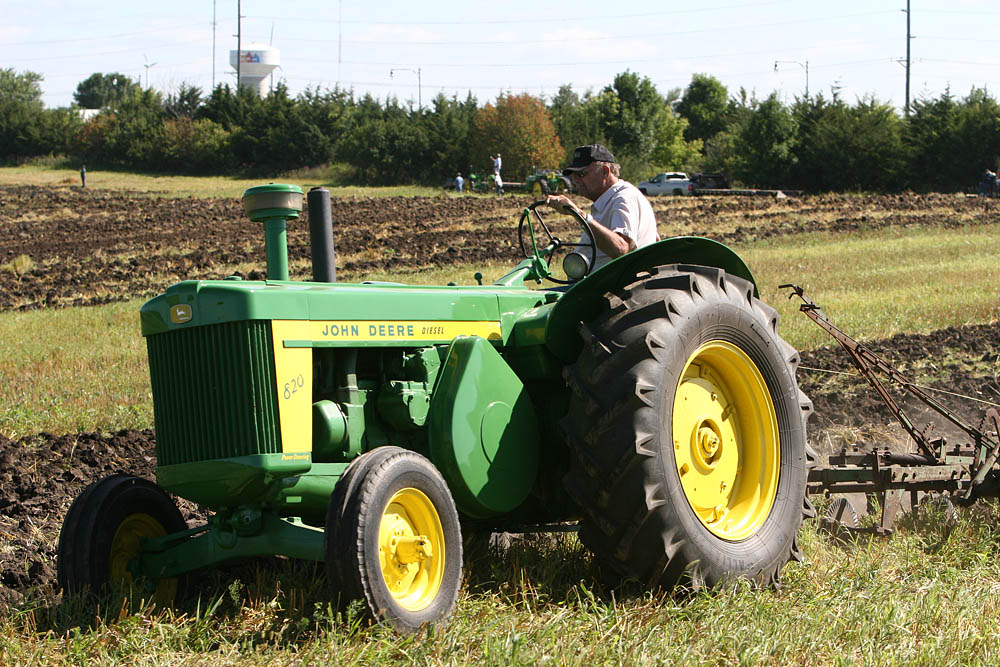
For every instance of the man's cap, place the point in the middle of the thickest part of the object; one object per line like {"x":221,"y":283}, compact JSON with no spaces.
{"x":583,"y":156}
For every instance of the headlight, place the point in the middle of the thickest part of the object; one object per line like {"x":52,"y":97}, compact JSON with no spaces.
{"x":576,"y":265}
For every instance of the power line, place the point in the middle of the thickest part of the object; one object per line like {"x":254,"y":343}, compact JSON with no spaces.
{"x":137,"y":49}
{"x":660,"y":35}
{"x":102,"y":38}
{"x":537,"y":20}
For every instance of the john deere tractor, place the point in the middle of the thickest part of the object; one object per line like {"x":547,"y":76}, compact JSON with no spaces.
{"x":547,"y":181}
{"x":649,"y":404}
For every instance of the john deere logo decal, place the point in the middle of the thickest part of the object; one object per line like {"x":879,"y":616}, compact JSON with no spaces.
{"x":180,"y":313}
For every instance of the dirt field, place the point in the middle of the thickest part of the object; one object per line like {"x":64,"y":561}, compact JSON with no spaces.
{"x":67,"y":246}
{"x":94,"y":247}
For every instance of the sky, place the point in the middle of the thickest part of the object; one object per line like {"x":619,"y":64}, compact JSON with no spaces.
{"x":414,"y":50}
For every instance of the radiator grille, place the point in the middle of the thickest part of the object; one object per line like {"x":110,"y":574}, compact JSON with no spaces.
{"x":214,"y":392}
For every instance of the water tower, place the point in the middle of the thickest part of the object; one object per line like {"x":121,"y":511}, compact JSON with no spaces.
{"x":256,"y":62}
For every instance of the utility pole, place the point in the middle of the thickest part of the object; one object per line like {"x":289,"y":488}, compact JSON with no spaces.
{"x":239,"y":44}
{"x":340,"y":39}
{"x":906,"y":109}
{"x":213,"y":44}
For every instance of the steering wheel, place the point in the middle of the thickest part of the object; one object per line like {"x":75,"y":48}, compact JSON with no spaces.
{"x":554,"y":242}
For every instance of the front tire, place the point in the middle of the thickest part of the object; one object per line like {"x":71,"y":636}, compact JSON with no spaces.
{"x":688,"y":433}
{"x":394,"y":540}
{"x":102,"y":534}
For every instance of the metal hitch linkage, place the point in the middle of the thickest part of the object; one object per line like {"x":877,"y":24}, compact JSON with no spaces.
{"x":889,"y":475}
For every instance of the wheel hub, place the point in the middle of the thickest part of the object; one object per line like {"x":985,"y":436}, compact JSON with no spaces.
{"x":411,"y":549}
{"x":125,"y":546}
{"x":726,"y":444}
{"x":707,"y":448}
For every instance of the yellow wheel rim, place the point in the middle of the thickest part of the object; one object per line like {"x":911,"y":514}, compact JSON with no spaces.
{"x":536,"y":188}
{"x":411,"y":549}
{"x":726,"y":442}
{"x":125,"y":546}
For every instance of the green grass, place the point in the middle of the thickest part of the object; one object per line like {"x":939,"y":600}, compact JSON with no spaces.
{"x":168,"y":185}
{"x":918,"y":598}
{"x":878,"y":284}
{"x":72,"y":370}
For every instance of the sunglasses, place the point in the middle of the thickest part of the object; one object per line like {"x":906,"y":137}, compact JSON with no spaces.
{"x":582,"y":172}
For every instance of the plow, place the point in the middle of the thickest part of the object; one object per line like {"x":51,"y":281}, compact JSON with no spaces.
{"x":889,"y":482}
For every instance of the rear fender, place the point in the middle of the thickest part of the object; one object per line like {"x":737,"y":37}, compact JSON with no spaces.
{"x":582,"y":302}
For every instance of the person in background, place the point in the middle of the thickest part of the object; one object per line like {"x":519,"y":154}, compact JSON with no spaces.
{"x":621,"y":216}
{"x":498,"y":182}
{"x":497,"y":162}
{"x":459,"y":183}
{"x":83,"y":175}
{"x":987,"y":184}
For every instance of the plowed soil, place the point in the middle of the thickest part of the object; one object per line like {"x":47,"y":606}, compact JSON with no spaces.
{"x":92,"y":247}
{"x":68,"y":246}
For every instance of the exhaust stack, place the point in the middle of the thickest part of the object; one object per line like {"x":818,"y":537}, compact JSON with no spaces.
{"x":321,"y":236}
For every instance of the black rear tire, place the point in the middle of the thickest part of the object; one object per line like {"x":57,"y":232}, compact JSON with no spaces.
{"x":393,"y":539}
{"x":677,"y":333}
{"x":102,"y":533}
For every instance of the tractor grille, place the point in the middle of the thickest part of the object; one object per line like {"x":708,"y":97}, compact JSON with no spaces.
{"x":213,"y":392}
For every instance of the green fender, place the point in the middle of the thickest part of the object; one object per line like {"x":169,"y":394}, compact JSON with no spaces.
{"x":582,"y":302}
{"x":483,"y":430}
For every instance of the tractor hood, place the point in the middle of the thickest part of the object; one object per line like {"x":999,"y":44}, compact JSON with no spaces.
{"x":345,"y":313}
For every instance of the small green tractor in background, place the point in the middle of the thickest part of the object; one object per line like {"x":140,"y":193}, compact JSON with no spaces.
{"x":480,"y":182}
{"x":547,"y":181}
{"x":651,"y":405}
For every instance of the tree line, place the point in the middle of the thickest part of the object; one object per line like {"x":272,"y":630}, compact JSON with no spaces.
{"x":816,"y":143}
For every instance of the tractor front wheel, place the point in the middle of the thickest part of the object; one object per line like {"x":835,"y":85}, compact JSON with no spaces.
{"x":688,"y":433}
{"x":393,"y":539}
{"x":103,"y":532}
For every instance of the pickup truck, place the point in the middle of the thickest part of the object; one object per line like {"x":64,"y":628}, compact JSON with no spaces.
{"x":667,"y":183}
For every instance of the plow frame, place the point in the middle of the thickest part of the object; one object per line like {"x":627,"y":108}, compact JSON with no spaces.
{"x":888,"y":479}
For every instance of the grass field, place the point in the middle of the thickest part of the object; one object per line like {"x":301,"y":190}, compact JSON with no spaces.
{"x":918,"y":599}
{"x":168,"y":185}
{"x":925,"y":597}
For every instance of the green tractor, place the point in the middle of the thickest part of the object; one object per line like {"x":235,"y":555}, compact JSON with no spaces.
{"x":650,"y":405}
{"x":480,"y":182}
{"x":547,"y":181}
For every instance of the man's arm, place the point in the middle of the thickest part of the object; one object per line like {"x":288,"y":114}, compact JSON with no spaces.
{"x":612,"y":244}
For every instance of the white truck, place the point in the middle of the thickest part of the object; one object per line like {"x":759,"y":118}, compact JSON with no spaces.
{"x":667,"y":183}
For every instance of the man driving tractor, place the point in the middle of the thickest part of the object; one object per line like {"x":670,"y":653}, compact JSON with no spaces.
{"x":621,"y":216}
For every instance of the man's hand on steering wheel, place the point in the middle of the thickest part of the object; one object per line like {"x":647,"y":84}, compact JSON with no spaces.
{"x":564,"y":204}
